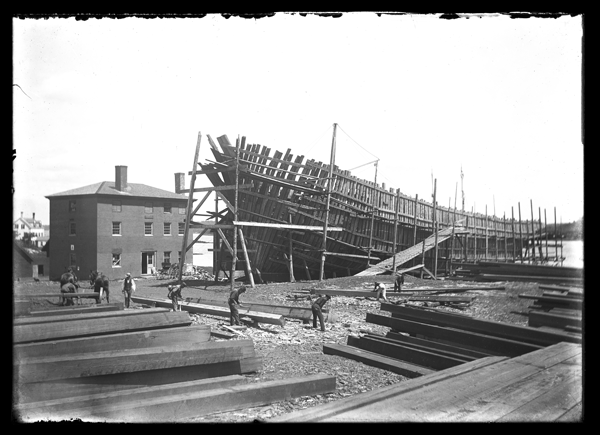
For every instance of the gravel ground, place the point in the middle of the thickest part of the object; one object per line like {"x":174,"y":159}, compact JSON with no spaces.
{"x":296,"y":349}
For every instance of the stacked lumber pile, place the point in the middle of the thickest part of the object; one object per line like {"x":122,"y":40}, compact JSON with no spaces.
{"x":557,"y":309}
{"x":494,"y":271}
{"x":541,"y":386}
{"x":422,"y":340}
{"x":139,"y":365}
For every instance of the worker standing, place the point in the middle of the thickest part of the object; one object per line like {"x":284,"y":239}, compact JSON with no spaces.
{"x":234,"y":303}
{"x":398,"y":283}
{"x":317,"y":306}
{"x":128,"y":287}
{"x":381,"y":291}
{"x":175,"y":295}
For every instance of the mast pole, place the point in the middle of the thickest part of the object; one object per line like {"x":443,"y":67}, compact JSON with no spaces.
{"x":329,"y":184}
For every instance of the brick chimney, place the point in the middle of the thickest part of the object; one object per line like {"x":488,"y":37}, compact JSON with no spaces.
{"x":179,"y":182}
{"x":33,"y":216}
{"x":21,"y":215}
{"x":121,"y":178}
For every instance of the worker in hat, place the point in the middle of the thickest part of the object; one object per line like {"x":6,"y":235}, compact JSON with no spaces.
{"x":317,"y":306}
{"x":175,"y":295}
{"x":234,"y":304}
{"x":398,"y":283}
{"x":128,"y":287}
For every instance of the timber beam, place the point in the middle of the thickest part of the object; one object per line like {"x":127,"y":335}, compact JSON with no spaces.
{"x":259,"y":317}
{"x":486,"y":343}
{"x":497,"y":329}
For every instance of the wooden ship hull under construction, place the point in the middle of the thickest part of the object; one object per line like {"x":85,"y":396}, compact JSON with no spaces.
{"x":281,"y":198}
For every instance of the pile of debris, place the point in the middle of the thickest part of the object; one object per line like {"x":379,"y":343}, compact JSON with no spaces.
{"x":559,"y":308}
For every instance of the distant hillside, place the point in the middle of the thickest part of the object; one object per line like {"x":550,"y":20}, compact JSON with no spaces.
{"x":569,"y":231}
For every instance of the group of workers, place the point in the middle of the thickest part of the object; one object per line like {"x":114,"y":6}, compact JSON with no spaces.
{"x":174,"y":294}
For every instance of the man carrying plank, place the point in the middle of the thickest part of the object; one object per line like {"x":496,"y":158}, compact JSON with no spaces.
{"x":317,"y":313}
{"x":234,"y":303}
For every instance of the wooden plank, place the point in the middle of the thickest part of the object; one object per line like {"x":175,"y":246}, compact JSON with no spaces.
{"x":434,"y":344}
{"x":292,"y":312}
{"x":260,"y":317}
{"x":540,"y":318}
{"x":60,"y":408}
{"x":485,"y":343}
{"x":64,"y":388}
{"x":74,"y":309}
{"x":354,"y":293}
{"x":100,"y":363}
{"x":380,"y":395}
{"x":87,"y":316}
{"x":92,"y":295}
{"x":127,"y":340}
{"x":497,"y":329}
{"x":86,"y":328}
{"x":408,"y":353}
{"x":181,"y":406}
{"x":417,"y":400}
{"x":376,"y":360}
{"x":284,"y":226}
{"x":21,"y":308}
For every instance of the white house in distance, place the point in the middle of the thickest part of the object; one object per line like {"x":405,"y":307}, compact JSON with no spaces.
{"x":24,"y":225}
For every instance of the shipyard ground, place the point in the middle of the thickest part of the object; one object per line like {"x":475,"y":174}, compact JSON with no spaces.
{"x":296,"y":348}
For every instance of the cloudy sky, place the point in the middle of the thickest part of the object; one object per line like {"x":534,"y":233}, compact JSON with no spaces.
{"x":500,"y":98}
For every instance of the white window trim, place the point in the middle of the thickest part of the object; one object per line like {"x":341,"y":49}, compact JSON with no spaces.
{"x":151,"y":229}
{"x":112,"y":228}
{"x":119,"y":265}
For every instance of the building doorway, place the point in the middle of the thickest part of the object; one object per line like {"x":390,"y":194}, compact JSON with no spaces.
{"x":148,"y":263}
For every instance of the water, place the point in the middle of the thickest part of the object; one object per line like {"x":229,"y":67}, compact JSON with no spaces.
{"x":572,"y":250}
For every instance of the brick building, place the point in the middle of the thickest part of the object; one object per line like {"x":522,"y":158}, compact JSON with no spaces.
{"x":116,"y":227}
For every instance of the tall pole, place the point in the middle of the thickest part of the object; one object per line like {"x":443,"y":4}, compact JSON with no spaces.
{"x":546,"y":228}
{"x":396,"y":228}
{"x":540,"y":246}
{"x":505,"y":247}
{"x":189,"y":211}
{"x":532,"y":231}
{"x":521,"y":232}
{"x":235,"y":212}
{"x":329,"y":183}
{"x":435,"y":255}
{"x":415,"y":221}
{"x":512,"y":212}
{"x":555,"y":237}
{"x":486,"y":234}
{"x":374,"y":205}
{"x":461,"y":189}
{"x":453,"y":227}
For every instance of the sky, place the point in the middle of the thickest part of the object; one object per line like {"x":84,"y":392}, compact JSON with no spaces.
{"x":499,"y":99}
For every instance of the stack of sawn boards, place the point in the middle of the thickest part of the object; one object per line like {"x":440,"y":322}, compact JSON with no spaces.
{"x":104,"y":363}
{"x":558,"y":308}
{"x":421,"y":341}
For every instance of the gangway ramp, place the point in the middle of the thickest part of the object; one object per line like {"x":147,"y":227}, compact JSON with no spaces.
{"x":412,"y":252}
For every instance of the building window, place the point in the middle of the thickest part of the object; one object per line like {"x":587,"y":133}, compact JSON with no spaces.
{"x":167,"y":257}
{"x":22,"y":226}
{"x":148,"y":208}
{"x":147,"y":228}
{"x":16,"y":226}
{"x":167,"y":229}
{"x":116,"y":228}
{"x":72,"y":260}
{"x":72,"y":229}
{"x":179,"y":258}
{"x":167,"y":207}
{"x":181,"y":210}
{"x":116,"y":206}
{"x":72,"y":206}
{"x":116,"y":260}
{"x":181,"y":230}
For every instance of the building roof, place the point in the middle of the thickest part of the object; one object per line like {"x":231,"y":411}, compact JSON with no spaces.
{"x":31,"y":223}
{"x":132,"y":190}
